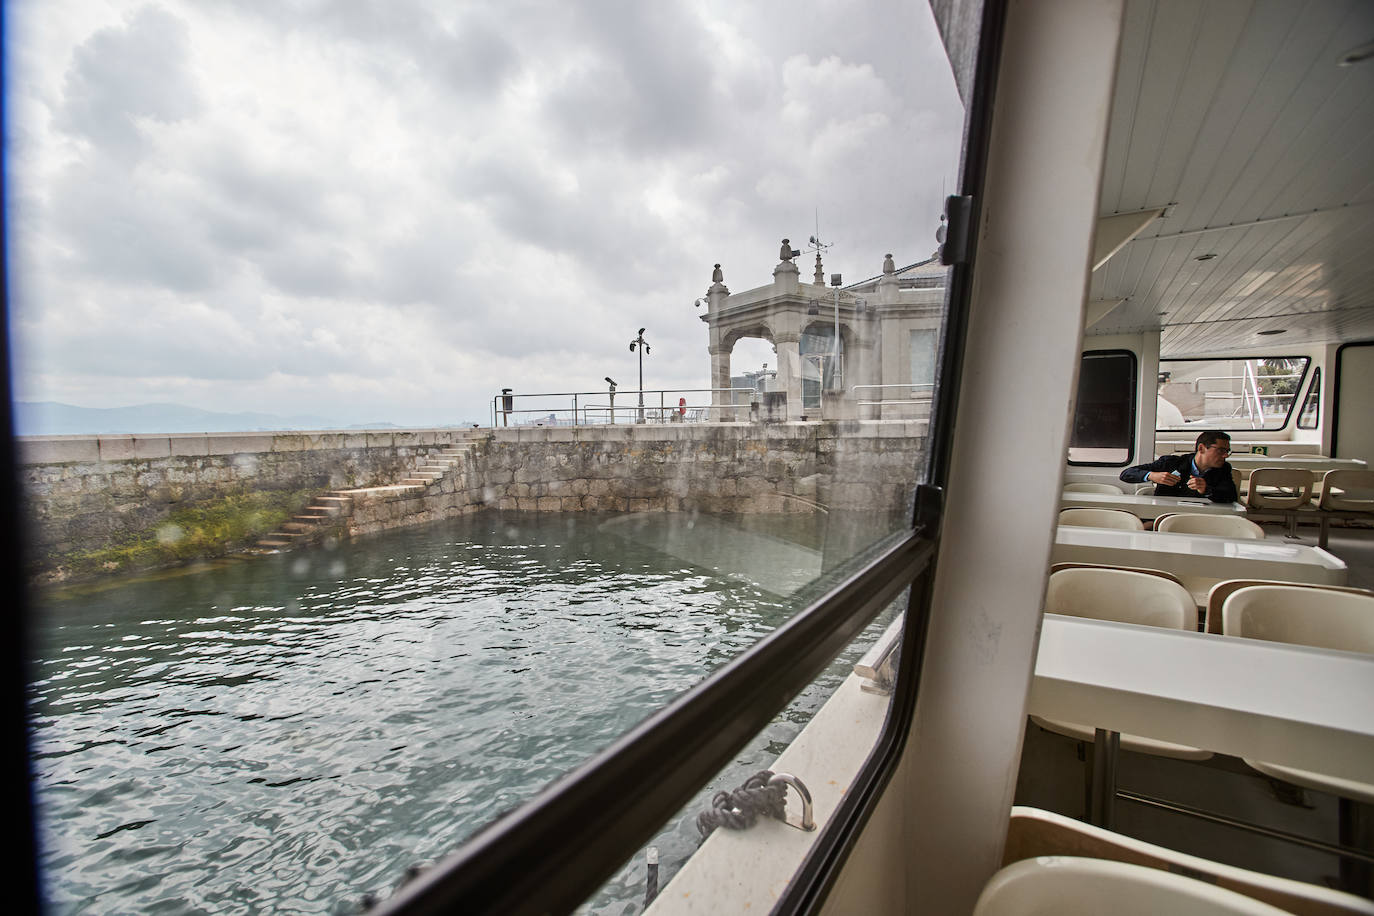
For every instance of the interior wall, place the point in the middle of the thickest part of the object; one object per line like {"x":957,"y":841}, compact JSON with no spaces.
{"x":1354,"y":420}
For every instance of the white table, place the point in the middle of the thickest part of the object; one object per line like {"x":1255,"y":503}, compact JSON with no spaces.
{"x":1248,"y":461}
{"x":1198,"y":555}
{"x":1289,"y":705}
{"x":1148,"y":507}
{"x":1199,"y":560}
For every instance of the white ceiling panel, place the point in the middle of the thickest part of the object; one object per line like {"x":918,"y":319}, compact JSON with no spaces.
{"x":1236,"y":116}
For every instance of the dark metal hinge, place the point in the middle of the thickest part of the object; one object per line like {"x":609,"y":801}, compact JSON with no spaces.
{"x":957,"y":233}
{"x":930,"y":508}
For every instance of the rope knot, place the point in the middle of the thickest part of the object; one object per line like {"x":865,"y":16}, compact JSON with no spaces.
{"x":739,"y":809}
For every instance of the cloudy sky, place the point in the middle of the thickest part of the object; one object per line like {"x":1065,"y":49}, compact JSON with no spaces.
{"x":387,"y":210}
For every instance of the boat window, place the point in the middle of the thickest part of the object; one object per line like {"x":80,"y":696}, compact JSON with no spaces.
{"x":1310,"y":417}
{"x":423,"y":554}
{"x":1104,"y":414}
{"x":1231,"y":394}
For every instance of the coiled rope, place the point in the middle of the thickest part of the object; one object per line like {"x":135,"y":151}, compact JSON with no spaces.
{"x":739,"y":809}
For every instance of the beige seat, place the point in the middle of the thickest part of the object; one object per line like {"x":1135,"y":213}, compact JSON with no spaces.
{"x":1101,"y":518}
{"x":1033,"y":832}
{"x":1345,"y":493}
{"x":1325,"y":619}
{"x":1348,"y":489}
{"x":1230,"y":526}
{"x":1144,"y":489}
{"x":1126,"y":596}
{"x":1281,"y":490}
{"x":1104,"y":488}
{"x":1217,"y":595}
{"x":1070,"y":886}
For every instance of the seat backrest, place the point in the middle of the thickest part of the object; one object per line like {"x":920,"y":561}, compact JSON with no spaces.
{"x":1101,"y":518}
{"x":1279,"y":488}
{"x":1348,"y":488}
{"x":1217,"y":595}
{"x":1144,"y":489}
{"x":1084,"y":487}
{"x":1230,"y":526}
{"x":1055,"y":567}
{"x":1323,"y":618}
{"x":1123,"y":595}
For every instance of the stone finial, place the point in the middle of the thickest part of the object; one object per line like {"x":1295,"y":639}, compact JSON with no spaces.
{"x":717,"y":276}
{"x":820,"y":272}
{"x":786,"y":253}
{"x":889,"y":266}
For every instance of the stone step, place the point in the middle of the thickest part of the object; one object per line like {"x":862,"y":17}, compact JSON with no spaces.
{"x":273,"y":543}
{"x":440,"y":469}
{"x":339,"y":501}
{"x":289,"y":535}
{"x":311,"y":517}
{"x":416,"y":482}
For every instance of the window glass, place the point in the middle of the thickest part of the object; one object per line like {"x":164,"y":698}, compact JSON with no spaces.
{"x":1104,"y":415}
{"x":411,"y":404}
{"x":1310,"y":417}
{"x":1231,"y":394}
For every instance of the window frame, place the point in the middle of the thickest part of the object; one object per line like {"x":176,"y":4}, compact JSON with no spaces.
{"x":1134,"y":408}
{"x":1288,"y":419}
{"x":1314,"y":393}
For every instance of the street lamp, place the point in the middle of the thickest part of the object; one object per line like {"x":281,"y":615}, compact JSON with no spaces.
{"x":835,"y":344}
{"x":642,"y":346}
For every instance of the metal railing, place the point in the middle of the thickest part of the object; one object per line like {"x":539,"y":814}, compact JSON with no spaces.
{"x":920,"y":393}
{"x":606,"y":408}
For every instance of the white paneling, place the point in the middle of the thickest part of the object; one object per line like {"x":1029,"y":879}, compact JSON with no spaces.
{"x":1232,"y":112}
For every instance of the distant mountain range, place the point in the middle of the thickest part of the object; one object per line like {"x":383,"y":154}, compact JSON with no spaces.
{"x":50,"y":418}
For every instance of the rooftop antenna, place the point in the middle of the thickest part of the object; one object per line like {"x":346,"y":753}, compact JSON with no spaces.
{"x":816,"y":245}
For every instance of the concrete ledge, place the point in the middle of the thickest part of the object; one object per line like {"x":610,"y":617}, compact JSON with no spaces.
{"x":56,"y":449}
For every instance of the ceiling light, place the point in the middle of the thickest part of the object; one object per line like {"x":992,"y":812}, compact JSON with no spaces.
{"x":1356,"y":55}
{"x":1204,"y":257}
{"x":1272,"y":331}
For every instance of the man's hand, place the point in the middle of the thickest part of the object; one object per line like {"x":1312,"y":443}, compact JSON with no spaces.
{"x":1163,"y":478}
{"x":1197,"y":485}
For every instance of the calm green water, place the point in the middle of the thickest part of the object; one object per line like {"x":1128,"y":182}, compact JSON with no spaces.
{"x":285,"y":734}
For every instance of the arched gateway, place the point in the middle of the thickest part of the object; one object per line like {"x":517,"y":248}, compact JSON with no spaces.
{"x":861,"y":351}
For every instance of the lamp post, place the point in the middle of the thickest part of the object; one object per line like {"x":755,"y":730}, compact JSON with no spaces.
{"x":642,"y":346}
{"x":835,"y":344}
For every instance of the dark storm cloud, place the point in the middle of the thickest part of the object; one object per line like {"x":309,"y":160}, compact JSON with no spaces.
{"x":121,"y":75}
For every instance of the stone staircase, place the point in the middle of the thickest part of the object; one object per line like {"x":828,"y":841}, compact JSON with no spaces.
{"x":327,"y":513}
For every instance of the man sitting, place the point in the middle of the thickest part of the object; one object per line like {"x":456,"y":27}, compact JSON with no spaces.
{"x":1203,"y":473}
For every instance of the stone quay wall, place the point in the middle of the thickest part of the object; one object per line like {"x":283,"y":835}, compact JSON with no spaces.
{"x":97,"y":498}
{"x":713,"y":468}
{"x":90,"y":498}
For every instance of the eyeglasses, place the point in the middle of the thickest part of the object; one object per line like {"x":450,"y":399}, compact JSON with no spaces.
{"x":1221,"y":449}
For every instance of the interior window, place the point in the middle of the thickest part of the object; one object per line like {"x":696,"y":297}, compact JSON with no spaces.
{"x":1104,"y":416}
{"x":1250,"y":393}
{"x":1310,"y":415}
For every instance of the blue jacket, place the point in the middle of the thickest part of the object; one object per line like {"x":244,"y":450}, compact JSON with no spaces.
{"x":1221,"y":488}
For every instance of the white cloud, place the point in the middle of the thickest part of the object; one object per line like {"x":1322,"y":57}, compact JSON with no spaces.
{"x":390,"y":210}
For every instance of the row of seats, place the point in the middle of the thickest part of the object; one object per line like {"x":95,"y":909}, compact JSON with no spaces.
{"x":1326,"y":617}
{"x":1287,"y":493}
{"x":1231,"y":526}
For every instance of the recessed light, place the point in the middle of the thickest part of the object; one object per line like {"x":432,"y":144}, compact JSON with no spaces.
{"x":1204,"y":257}
{"x":1272,"y":331}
